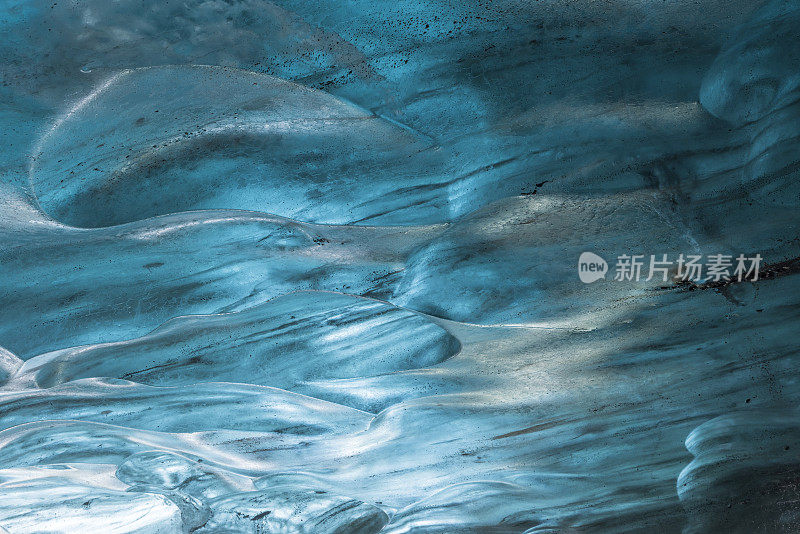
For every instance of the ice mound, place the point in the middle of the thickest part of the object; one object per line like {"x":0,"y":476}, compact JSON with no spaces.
{"x":530,"y":246}
{"x":159,"y":140}
{"x":757,"y":70}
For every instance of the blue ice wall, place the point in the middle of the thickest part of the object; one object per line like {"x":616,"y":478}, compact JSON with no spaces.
{"x":312,"y":266}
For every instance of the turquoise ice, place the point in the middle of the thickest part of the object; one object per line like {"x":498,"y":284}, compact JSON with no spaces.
{"x":312,"y":266}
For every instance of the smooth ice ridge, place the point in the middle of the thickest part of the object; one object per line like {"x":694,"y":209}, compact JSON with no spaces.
{"x":282,"y":343}
{"x":159,"y":140}
{"x":310,"y":267}
{"x":196,"y":407}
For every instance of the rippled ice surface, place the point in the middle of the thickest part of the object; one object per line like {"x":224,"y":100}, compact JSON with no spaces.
{"x":311,"y":266}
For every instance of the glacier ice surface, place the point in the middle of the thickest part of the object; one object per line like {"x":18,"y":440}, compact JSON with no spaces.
{"x":310,"y":266}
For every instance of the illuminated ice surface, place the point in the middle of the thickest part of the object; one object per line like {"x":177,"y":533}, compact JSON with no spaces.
{"x":311,"y":266}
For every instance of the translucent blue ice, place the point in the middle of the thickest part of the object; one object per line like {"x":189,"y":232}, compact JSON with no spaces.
{"x":311,"y":266}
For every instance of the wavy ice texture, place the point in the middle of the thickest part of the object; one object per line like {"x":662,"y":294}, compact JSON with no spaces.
{"x":292,"y":509}
{"x":239,"y":259}
{"x":749,"y":459}
{"x":53,"y":504}
{"x":289,"y":340}
{"x":310,"y":266}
